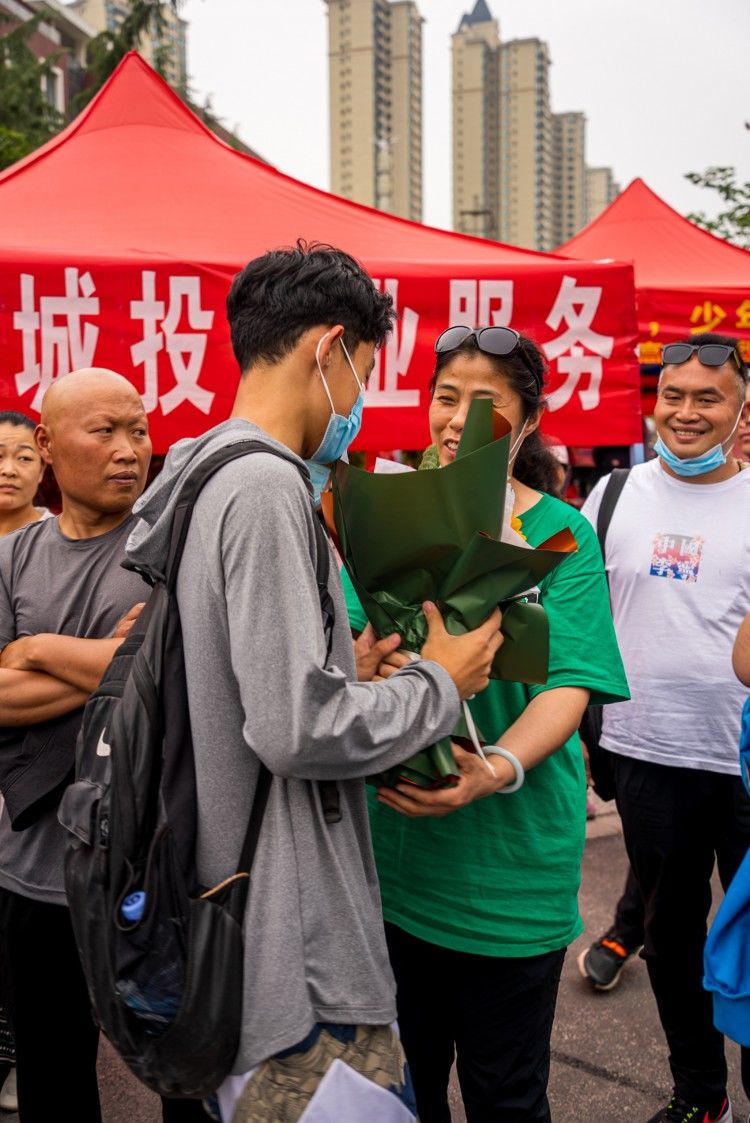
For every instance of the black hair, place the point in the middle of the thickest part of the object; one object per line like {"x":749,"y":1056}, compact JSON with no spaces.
{"x":13,"y":417}
{"x":281,"y":295}
{"x":739,"y":367}
{"x":534,"y":465}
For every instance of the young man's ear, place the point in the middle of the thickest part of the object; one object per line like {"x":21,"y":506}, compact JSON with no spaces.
{"x":326,"y":344}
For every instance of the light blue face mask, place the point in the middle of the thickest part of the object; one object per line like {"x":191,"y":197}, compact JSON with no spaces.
{"x":696,"y":465}
{"x":319,"y":474}
{"x":340,"y":431}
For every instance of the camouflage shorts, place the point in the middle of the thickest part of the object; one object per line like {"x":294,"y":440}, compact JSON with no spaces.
{"x":282,"y":1087}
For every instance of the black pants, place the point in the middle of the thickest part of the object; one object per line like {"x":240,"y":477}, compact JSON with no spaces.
{"x":56,"y":1038}
{"x":629,"y":914}
{"x":677,"y":823}
{"x":495,"y":1015}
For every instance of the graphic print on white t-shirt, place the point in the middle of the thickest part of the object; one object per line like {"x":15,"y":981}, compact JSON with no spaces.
{"x":677,"y":556}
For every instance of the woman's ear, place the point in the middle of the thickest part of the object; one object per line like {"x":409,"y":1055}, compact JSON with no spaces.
{"x":534,"y":421}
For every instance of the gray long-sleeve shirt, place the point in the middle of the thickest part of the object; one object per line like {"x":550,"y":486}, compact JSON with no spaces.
{"x":258,"y":688}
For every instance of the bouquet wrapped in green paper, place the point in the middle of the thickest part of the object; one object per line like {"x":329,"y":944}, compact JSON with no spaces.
{"x":436,"y":535}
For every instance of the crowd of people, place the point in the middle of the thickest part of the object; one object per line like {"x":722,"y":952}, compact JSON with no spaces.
{"x":416,"y":926}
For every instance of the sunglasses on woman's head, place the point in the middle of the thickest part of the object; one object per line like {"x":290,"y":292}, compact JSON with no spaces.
{"x":498,"y":341}
{"x":710,"y":354}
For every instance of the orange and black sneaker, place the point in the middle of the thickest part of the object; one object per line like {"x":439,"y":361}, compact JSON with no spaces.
{"x":685,"y":1111}
{"x":602,"y":963}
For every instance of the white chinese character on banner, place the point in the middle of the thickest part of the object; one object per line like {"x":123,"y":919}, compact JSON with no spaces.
{"x":480,"y":304}
{"x":392,"y":361}
{"x":576,"y":306}
{"x":55,"y":341}
{"x":185,"y":350}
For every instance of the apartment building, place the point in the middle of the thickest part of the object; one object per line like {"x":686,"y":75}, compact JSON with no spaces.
{"x":502,"y":134}
{"x":569,"y":161}
{"x":375,"y":103}
{"x":527,"y":172}
{"x":601,"y":190}
{"x":519,"y":170}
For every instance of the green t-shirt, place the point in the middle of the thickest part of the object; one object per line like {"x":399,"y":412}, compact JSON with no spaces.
{"x":500,"y":877}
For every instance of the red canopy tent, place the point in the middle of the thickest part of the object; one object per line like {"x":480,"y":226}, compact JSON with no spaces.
{"x":686,"y":279}
{"x":119,"y":239}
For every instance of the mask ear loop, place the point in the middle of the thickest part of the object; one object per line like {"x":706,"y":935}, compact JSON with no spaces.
{"x":351,"y":365}
{"x":516,"y":445}
{"x":320,"y":371}
{"x":736,"y":427}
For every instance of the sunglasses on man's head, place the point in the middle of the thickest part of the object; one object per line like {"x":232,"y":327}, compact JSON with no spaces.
{"x":498,"y":341}
{"x":710,"y":354}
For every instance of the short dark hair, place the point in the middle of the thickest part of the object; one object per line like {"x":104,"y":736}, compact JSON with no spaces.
{"x":281,"y":295}
{"x":729,"y":341}
{"x":13,"y":417}
{"x":535,"y":465}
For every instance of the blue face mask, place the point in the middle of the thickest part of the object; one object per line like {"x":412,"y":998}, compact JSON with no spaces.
{"x":696,"y":465}
{"x":340,"y":431}
{"x":319,"y":474}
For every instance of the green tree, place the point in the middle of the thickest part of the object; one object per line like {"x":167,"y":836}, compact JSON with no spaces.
{"x":732,"y":223}
{"x":106,"y":51}
{"x":27,"y":117}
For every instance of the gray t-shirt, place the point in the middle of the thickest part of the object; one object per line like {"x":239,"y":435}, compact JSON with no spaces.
{"x":73,"y":587}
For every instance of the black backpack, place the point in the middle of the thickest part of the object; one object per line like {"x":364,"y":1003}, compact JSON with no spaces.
{"x":162,"y":955}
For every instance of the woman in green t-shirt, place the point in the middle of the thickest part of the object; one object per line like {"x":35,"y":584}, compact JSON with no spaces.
{"x":479,"y":888}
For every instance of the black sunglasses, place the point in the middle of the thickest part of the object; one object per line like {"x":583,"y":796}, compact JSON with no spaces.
{"x":710,"y":354}
{"x":497,"y":341}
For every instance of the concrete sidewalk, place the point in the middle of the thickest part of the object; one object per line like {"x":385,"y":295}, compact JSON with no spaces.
{"x":609,"y":1060}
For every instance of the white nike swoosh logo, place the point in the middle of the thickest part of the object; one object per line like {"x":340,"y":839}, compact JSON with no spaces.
{"x":102,"y":748}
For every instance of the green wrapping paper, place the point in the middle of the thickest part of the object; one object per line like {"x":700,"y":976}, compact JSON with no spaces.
{"x":435,"y":535}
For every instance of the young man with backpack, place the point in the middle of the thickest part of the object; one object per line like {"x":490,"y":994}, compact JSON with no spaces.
{"x":265,"y":693}
{"x":66,"y":604}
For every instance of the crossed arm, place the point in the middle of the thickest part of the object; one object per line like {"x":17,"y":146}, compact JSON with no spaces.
{"x":45,"y":676}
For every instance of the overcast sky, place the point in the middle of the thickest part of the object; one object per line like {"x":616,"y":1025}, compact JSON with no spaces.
{"x":663,"y":83}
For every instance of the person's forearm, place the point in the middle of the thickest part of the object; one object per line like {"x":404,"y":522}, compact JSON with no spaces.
{"x":546,"y":724}
{"x":28,"y":697}
{"x":79,"y":662}
{"x":741,"y":653}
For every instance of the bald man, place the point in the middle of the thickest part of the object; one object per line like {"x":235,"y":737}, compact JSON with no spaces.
{"x":65,"y":605}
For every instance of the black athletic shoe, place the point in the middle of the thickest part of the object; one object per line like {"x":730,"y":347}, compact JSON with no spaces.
{"x":683,"y":1111}
{"x":602,"y":963}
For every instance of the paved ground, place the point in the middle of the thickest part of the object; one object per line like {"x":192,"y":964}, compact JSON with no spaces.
{"x":608,"y":1061}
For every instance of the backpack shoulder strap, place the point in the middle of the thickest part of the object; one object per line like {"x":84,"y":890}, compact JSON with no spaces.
{"x":322,"y":572}
{"x":193,"y":488}
{"x":612,"y":493}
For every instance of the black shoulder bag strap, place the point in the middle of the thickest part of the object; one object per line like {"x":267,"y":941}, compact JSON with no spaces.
{"x":591,"y":723}
{"x":178,"y":537}
{"x":612,"y":493}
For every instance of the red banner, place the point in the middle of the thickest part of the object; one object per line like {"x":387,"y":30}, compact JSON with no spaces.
{"x":668,"y":314}
{"x":164,"y":327}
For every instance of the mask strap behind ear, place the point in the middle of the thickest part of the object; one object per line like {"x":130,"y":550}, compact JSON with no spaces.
{"x":351,"y":364}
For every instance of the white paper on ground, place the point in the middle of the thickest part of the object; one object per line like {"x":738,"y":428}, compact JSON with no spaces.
{"x":344,"y":1094}
{"x":229,"y":1092}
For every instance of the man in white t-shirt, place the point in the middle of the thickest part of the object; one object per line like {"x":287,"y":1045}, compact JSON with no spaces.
{"x":678,"y":561}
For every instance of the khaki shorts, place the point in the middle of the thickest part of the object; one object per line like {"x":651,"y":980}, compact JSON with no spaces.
{"x":281,"y":1088}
